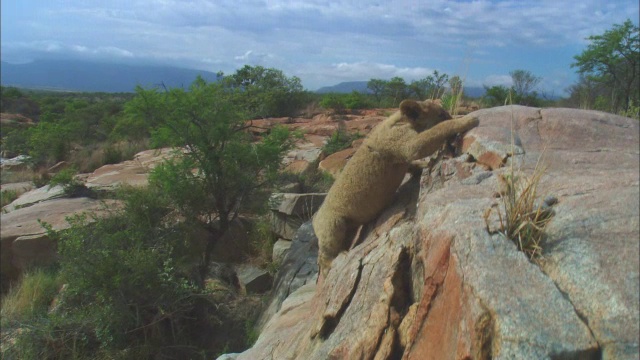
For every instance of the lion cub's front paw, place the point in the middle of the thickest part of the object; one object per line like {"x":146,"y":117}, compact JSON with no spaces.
{"x":470,"y":123}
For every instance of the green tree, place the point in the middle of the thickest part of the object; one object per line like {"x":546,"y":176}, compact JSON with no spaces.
{"x":264,"y":92}
{"x":496,"y":95}
{"x":377,"y":88}
{"x":613,"y":59}
{"x":396,"y":90}
{"x":524,"y":82}
{"x":430,"y":87}
{"x":230,"y":167}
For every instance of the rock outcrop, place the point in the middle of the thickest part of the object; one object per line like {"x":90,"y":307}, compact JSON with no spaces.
{"x":428,"y":281}
{"x":24,"y":240}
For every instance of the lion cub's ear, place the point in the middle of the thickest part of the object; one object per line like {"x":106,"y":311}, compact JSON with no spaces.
{"x":411,"y":109}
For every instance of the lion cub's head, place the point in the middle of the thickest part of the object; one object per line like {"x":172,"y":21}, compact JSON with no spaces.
{"x":423,"y":114}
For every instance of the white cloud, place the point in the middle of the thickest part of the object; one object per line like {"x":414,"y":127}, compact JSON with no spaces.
{"x":319,"y":41}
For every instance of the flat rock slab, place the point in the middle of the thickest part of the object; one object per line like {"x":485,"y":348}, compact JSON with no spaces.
{"x":23,"y":239}
{"x":35,"y":196}
{"x":132,"y":172}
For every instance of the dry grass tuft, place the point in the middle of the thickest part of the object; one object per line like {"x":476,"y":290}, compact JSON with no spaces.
{"x":522,"y":218}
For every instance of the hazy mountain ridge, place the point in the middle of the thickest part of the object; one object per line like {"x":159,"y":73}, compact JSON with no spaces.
{"x":79,"y":75}
{"x":75,"y":75}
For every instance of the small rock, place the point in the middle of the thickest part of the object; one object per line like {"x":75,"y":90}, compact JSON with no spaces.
{"x":254,"y":279}
{"x":280,"y":249}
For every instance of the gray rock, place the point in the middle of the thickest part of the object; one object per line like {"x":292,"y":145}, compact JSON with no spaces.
{"x":280,"y":249}
{"x":254,"y":280}
{"x":35,"y":196}
{"x":299,"y":267}
{"x":289,"y":211}
{"x":231,"y":356}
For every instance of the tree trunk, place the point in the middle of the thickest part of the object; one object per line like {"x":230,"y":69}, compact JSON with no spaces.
{"x":214,"y":236}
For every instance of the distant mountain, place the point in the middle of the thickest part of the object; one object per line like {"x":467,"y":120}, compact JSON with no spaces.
{"x":361,"y":86}
{"x":345,"y":87}
{"x":75,"y":75}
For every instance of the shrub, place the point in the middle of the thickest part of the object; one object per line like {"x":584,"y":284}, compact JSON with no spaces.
{"x":130,"y":291}
{"x":31,"y":298}
{"x":7,"y":197}
{"x":67,"y":179}
{"x":339,"y":140}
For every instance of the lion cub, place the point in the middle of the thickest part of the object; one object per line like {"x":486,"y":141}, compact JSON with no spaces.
{"x":370,"y":179}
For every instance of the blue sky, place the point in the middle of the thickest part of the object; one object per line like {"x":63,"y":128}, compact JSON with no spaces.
{"x":322,"y":42}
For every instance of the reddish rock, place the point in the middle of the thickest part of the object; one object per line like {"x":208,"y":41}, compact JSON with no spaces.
{"x":334,"y":163}
{"x":427,"y":281}
{"x":132,"y":172}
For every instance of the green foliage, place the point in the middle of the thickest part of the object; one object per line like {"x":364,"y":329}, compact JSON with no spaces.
{"x":129,"y":294}
{"x":7,"y":197}
{"x":610,"y":67}
{"x":67,"y":179}
{"x":14,"y":101}
{"x":339,"y":140}
{"x":14,"y":142}
{"x":231,"y":168}
{"x":31,"y":298}
{"x":49,"y":142}
{"x":389,"y":93}
{"x":396,"y":91}
{"x":521,"y":92}
{"x":633,"y":111}
{"x":333,"y":101}
{"x":265,"y":92}
{"x":377,"y":86}
{"x":340,"y":102}
{"x":496,"y":96}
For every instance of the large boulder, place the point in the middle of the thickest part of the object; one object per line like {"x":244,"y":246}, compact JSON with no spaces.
{"x":35,"y":196}
{"x":131,"y":172}
{"x":429,"y":281}
{"x":24,"y":240}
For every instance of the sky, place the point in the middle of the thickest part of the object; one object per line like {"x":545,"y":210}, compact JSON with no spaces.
{"x":321,"y":42}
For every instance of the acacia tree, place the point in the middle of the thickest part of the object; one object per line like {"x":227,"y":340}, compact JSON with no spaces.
{"x":220,"y":168}
{"x":265,"y":92}
{"x":613,"y":59}
{"x":377,"y":88}
{"x":396,"y":90}
{"x":524,"y":82}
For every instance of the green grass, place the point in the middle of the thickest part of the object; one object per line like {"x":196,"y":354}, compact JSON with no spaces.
{"x":7,"y":197}
{"x":31,"y":297}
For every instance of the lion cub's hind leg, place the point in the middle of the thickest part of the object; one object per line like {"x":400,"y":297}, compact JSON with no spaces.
{"x":335,"y":235}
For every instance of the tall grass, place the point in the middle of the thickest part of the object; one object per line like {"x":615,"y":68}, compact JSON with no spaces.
{"x":31,"y":297}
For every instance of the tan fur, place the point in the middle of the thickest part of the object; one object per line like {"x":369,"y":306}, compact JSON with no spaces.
{"x":370,"y":179}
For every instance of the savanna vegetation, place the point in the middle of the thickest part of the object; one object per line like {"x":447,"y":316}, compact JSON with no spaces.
{"x":138,"y":283}
{"x":137,"y":279}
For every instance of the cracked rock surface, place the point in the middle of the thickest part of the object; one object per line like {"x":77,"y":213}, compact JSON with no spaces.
{"x":427,"y":281}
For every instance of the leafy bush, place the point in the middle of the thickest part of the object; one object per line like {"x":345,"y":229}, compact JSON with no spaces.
{"x":7,"y":197}
{"x":31,"y":298}
{"x":264,"y":92}
{"x":339,"y":140}
{"x":67,"y":179}
{"x":131,"y":292}
{"x":231,"y":168}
